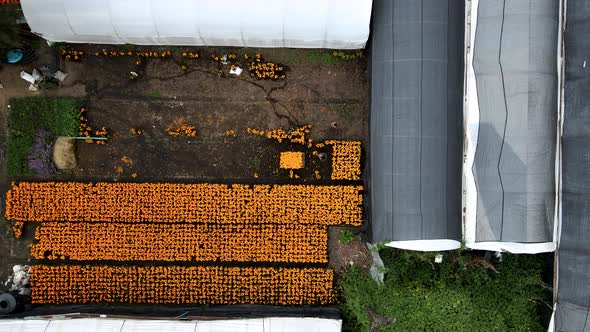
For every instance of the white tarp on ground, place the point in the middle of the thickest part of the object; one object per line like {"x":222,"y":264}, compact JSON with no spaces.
{"x":273,"y":324}
{"x":339,"y":24}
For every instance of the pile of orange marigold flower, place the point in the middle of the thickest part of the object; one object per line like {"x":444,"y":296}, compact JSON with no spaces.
{"x":212,"y":285}
{"x":266,"y":70}
{"x":181,"y":242}
{"x":184,"y":129}
{"x":346,"y":160}
{"x":292,"y":160}
{"x":189,"y":203}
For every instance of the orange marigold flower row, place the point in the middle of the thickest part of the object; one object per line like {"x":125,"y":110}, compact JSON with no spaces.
{"x":181,"y":285}
{"x":346,"y":160}
{"x":191,"y":55}
{"x":181,"y":242}
{"x":191,"y":203}
{"x":296,"y":135}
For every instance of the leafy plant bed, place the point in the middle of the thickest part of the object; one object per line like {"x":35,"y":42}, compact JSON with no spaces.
{"x":30,"y":116}
{"x":463,"y":293}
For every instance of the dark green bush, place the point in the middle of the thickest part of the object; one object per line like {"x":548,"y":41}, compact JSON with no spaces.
{"x":60,"y":116}
{"x":345,"y":236}
{"x":464,"y":293}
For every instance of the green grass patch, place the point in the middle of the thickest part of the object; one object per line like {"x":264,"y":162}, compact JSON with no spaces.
{"x":321,"y":57}
{"x":333,"y":57}
{"x":463,"y":293}
{"x":154,"y":94}
{"x":345,"y":236}
{"x":60,"y":116}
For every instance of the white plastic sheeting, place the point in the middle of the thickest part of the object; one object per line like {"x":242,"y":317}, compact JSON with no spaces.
{"x":339,"y":24}
{"x":273,"y":324}
{"x":425,"y":245}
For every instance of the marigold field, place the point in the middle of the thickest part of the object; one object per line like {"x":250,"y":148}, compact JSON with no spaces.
{"x":181,"y":242}
{"x":191,"y":203}
{"x":180,"y":285}
{"x":104,"y":223}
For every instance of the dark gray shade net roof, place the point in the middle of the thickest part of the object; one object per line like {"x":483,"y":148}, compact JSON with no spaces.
{"x":573,"y":297}
{"x":515,"y":63}
{"x":416,"y":119}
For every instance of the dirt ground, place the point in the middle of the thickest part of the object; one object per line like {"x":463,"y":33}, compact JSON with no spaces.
{"x":331,"y":96}
{"x":207,"y":97}
{"x":343,"y":254}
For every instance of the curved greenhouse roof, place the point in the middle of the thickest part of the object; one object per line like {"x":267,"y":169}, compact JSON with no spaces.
{"x":511,"y":116}
{"x":416,"y":123}
{"x":342,"y":24}
{"x":573,"y":291}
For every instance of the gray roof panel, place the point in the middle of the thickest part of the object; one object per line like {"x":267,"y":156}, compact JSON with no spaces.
{"x":515,"y":57}
{"x":416,"y":119}
{"x":573,"y":299}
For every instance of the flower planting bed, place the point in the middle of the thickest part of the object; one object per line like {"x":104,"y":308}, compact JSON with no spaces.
{"x":191,"y":203}
{"x":346,"y":160}
{"x":181,"y":285}
{"x":83,"y":241}
{"x":233,"y":244}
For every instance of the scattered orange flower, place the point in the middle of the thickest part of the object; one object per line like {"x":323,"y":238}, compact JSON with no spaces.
{"x":296,"y":135}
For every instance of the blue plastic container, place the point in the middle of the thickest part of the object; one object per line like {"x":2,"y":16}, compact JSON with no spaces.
{"x":14,"y":56}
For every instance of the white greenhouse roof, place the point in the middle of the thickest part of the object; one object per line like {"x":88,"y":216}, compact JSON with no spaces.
{"x":339,"y":24}
{"x":273,"y":324}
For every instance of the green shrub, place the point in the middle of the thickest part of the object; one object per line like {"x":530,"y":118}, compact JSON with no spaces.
{"x":464,"y":293}
{"x":320,"y":57}
{"x":60,"y":116}
{"x":345,"y":236}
